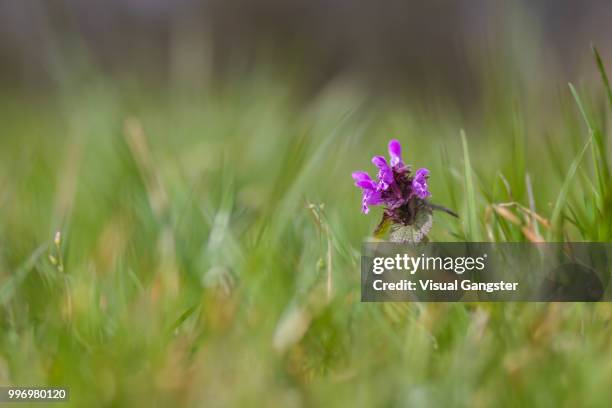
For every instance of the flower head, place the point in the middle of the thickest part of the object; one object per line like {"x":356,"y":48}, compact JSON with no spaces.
{"x":395,"y":188}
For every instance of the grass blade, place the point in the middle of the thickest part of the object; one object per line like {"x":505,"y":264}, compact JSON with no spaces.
{"x":602,"y":73}
{"x":598,"y":149}
{"x":562,"y":198}
{"x":8,"y":288}
{"x":473,"y":232}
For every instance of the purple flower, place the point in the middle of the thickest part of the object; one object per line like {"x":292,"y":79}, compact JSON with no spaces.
{"x":419,"y":183}
{"x":394,"y":187}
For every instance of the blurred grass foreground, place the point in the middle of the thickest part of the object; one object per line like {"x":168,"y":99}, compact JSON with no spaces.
{"x":178,"y":246}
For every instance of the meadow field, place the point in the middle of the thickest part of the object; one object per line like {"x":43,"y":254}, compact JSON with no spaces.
{"x":201,"y":247}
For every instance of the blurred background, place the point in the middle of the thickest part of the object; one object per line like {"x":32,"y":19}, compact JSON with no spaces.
{"x":195,"y":158}
{"x":399,"y":47}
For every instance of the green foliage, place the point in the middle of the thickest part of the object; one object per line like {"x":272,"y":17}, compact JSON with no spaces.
{"x":198,"y":264}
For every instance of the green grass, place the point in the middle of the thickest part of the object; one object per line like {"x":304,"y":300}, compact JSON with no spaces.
{"x":210,"y":248}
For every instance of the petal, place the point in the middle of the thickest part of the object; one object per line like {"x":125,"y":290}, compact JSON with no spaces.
{"x":364,"y":203}
{"x":385,"y":174}
{"x":419,"y":184}
{"x":361,"y":175}
{"x":422,"y":193}
{"x":422,"y":173}
{"x":373,"y":198}
{"x":370,"y":198}
{"x":363,"y":180}
{"x":380,"y":162}
{"x":366,"y":184}
{"x":395,"y":152}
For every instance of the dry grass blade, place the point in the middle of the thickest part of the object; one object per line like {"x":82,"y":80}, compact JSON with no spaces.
{"x":158,"y":199}
{"x":505,"y":213}
{"x":67,"y":185}
{"x":528,"y":228}
{"x":531,"y":235}
{"x":318,"y":214}
{"x":137,"y":142}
